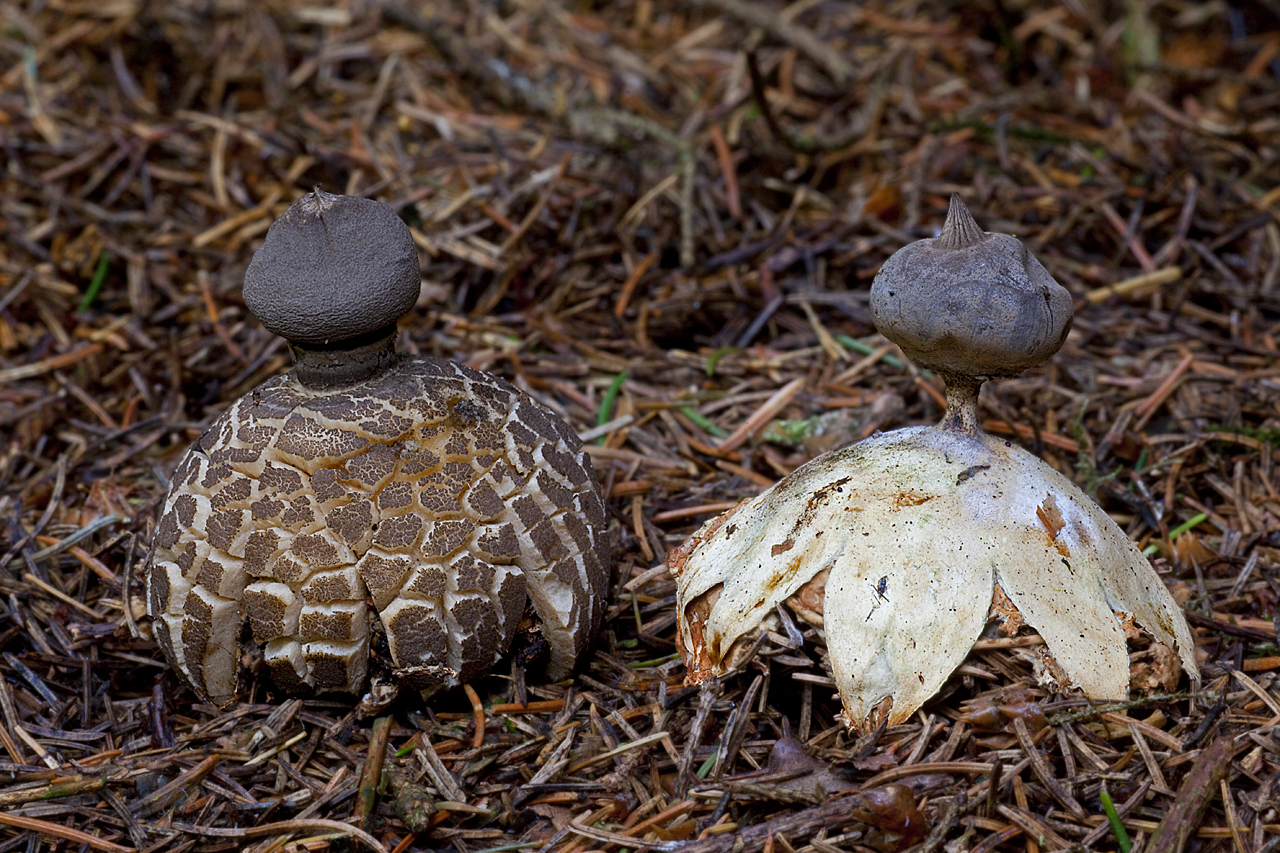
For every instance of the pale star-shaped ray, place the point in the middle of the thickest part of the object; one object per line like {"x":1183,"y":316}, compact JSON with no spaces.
{"x":915,"y":527}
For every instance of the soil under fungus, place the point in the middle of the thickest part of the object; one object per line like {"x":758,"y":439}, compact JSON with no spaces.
{"x":660,"y":220}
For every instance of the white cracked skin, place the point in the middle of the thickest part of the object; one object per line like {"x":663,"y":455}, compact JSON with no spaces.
{"x":432,"y":500}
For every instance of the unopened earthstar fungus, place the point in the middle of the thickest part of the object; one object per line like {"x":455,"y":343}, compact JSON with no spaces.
{"x":368,"y":504}
{"x":901,"y":547}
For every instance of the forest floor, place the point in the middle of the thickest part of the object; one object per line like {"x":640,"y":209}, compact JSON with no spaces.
{"x":662,"y":219}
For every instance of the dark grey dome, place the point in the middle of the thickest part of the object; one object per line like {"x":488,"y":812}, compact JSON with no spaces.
{"x":333,"y":267}
{"x":969,"y":302}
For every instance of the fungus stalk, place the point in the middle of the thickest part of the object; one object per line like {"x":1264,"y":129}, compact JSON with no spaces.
{"x":962,"y":405}
{"x":323,"y":367}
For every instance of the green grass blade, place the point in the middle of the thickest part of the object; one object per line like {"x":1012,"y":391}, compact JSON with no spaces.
{"x":702,"y":421}
{"x":99,"y":276}
{"x":607,"y":402}
{"x":1117,"y":828}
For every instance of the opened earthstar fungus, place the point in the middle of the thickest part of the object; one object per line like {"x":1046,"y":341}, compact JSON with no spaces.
{"x":901,"y":547}
{"x":370,"y":503}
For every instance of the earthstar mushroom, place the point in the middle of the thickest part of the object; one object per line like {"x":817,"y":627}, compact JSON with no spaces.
{"x":368,"y":497}
{"x":901,"y":547}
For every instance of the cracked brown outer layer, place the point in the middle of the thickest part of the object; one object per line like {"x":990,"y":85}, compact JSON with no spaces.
{"x":433,"y":500}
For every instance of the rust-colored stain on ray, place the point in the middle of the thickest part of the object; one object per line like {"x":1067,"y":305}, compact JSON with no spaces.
{"x":1051,"y":518}
{"x":912,"y":498}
